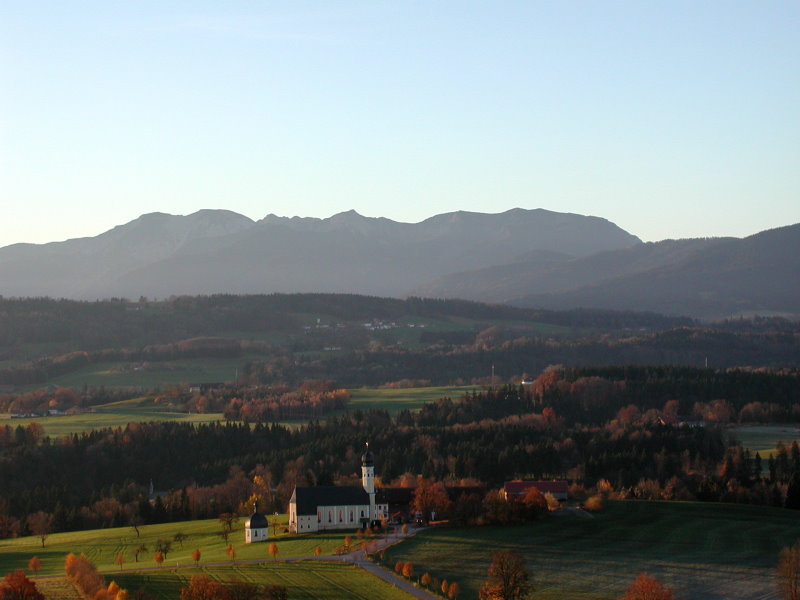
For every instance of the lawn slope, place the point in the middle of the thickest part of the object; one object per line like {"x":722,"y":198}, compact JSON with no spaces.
{"x":705,"y":551}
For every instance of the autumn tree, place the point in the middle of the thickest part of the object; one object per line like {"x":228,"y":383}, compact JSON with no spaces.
{"x":159,"y":558}
{"x":273,"y":550}
{"x":430,"y":498}
{"x":16,"y":586}
{"x":453,"y":590}
{"x":34,"y":564}
{"x":398,"y":567}
{"x":231,"y":552}
{"x":202,"y":587}
{"x":112,"y":590}
{"x":534,"y":502}
{"x":508,"y":578}
{"x":426,"y":579}
{"x":41,"y":524}
{"x":120,"y":559}
{"x":196,"y":556}
{"x":408,"y":570}
{"x":318,"y":551}
{"x":789,"y":572}
{"x":647,"y":588}
{"x":444,"y":587}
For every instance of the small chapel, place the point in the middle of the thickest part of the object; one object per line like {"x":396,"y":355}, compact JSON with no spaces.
{"x":255,"y":527}
{"x":338,"y":507}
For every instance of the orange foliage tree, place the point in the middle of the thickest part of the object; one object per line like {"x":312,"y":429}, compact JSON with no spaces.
{"x":273,"y":550}
{"x":408,"y":570}
{"x":159,"y":558}
{"x":453,"y":590}
{"x":508,"y":578}
{"x":16,"y":586}
{"x":430,"y":497}
{"x":196,"y":556}
{"x":647,"y":588}
{"x":34,"y":564}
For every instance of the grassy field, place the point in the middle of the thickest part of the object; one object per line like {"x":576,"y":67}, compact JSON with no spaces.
{"x":115,"y":414}
{"x":119,"y":414}
{"x":307,"y":579}
{"x":704,"y":551}
{"x":304,"y":580}
{"x":103,"y":545}
{"x":119,"y":374}
{"x":764,"y":438}
{"x":395,"y":400}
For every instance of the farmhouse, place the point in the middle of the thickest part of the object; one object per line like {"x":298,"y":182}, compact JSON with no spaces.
{"x":517,"y":488}
{"x":338,"y":507}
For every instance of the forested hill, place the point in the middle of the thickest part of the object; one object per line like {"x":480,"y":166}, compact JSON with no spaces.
{"x":363,"y":340}
{"x":80,"y":325}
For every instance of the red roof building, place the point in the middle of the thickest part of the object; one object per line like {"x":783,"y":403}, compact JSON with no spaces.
{"x":517,"y":488}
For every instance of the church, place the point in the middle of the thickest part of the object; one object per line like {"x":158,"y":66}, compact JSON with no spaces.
{"x":338,"y":507}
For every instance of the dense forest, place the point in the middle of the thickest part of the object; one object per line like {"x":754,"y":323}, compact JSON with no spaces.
{"x":650,"y":432}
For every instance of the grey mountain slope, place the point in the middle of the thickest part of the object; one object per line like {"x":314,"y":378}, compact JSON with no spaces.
{"x":345,"y":253}
{"x":67,"y":269}
{"x":757,"y":274}
{"x":546,"y":273}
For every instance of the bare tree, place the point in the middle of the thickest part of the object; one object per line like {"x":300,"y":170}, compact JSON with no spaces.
{"x":41,"y":524}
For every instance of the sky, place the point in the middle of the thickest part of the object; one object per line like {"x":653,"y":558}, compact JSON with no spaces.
{"x":672,"y":119}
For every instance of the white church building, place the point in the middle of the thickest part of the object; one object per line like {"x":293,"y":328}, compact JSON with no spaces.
{"x":338,"y":507}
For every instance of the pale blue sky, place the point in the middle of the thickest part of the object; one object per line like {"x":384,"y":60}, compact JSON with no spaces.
{"x":672,"y":119}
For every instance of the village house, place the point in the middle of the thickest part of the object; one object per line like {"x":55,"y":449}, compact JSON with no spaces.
{"x":518,"y":488}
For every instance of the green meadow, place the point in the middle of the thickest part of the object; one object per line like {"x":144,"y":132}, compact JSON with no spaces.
{"x":395,"y":400}
{"x":304,"y":580}
{"x":142,"y":410}
{"x":115,"y":414}
{"x":703,"y":551}
{"x":764,"y":438}
{"x":102,"y":546}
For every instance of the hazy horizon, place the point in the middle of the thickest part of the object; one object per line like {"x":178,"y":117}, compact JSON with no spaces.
{"x":672,"y":121}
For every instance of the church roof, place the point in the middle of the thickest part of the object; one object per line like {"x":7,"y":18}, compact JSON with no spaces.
{"x":309,"y":498}
{"x":256,"y":521}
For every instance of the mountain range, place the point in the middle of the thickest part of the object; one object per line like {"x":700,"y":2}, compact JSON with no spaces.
{"x":522,"y":257}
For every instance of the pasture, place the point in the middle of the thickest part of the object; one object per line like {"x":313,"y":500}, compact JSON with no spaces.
{"x":764,"y":438}
{"x":395,"y":400}
{"x":102,"y":546}
{"x":142,"y":410}
{"x":704,"y":551}
{"x":115,"y":414}
{"x":304,"y":580}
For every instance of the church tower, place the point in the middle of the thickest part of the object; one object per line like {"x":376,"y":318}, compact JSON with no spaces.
{"x":368,"y":480}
